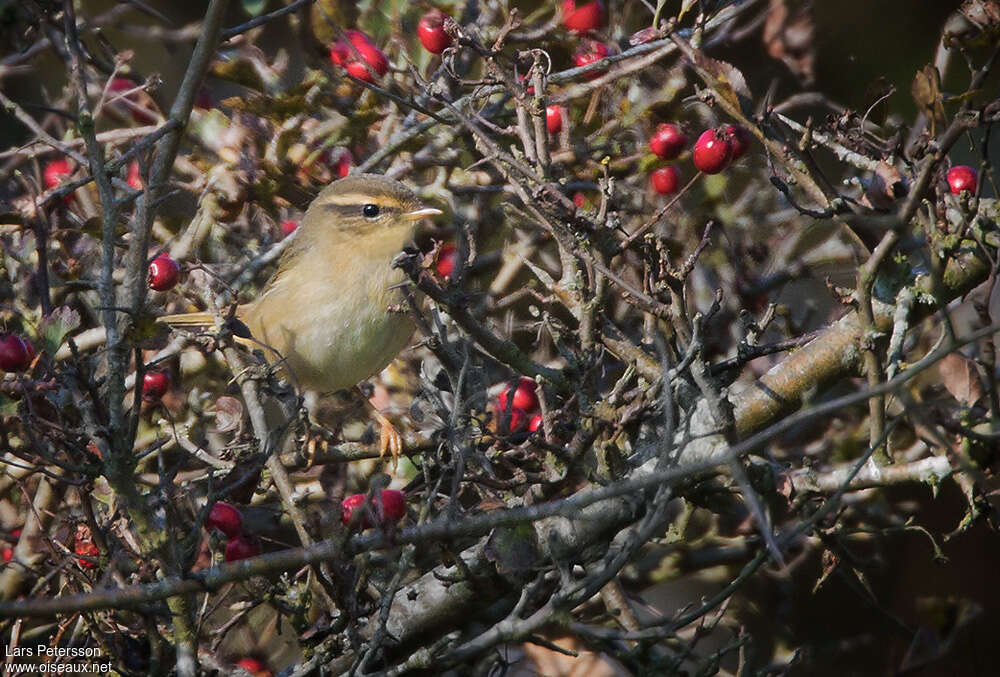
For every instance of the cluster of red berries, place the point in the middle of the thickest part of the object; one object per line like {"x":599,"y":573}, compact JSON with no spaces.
{"x":388,"y":508}
{"x":84,"y":548}
{"x":714,"y":150}
{"x":358,"y":55}
{"x":16,"y":354}
{"x":517,"y":408}
{"x":228,"y":520}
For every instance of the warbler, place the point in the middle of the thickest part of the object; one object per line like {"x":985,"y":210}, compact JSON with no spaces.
{"x":325,"y":314}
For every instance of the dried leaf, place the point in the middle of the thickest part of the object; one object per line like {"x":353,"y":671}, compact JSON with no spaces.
{"x":961,"y":378}
{"x":228,"y":414}
{"x":729,"y":80}
{"x":788,"y":36}
{"x":926,"y":91}
{"x":885,"y":187}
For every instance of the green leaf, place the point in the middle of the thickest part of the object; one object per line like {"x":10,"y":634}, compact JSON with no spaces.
{"x":55,"y":326}
{"x":254,"y":7}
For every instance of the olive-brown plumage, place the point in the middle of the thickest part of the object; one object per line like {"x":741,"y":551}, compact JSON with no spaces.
{"x":325,"y":312}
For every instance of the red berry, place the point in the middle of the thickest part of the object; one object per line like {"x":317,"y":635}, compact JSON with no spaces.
{"x":83,"y":545}
{"x":447,"y":259}
{"x":163,"y":273}
{"x":589,"y":53}
{"x":739,"y":138}
{"x":668,"y":141}
{"x":155,"y":385}
{"x":255,"y":667}
{"x":712,"y":152}
{"x":579,"y":199}
{"x":55,"y":172}
{"x":288,"y":227}
{"x":133,"y":179}
{"x":349,"y":505}
{"x":665,"y":180}
{"x":535,"y":424}
{"x":357,"y":54}
{"x":393,"y":505}
{"x":510,"y":422}
{"x":961,"y":178}
{"x":226,"y":519}
{"x":524,"y":398}
{"x":344,"y":164}
{"x":241,"y":547}
{"x":137,"y":103}
{"x":430,"y":30}
{"x":587,"y":17}
{"x":553,"y":118}
{"x":15,"y":352}
{"x":7,"y":554}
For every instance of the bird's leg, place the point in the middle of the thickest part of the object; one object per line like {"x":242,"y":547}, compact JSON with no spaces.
{"x":389,"y":438}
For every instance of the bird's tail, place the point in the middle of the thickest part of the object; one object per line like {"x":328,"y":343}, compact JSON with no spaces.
{"x":203,"y":321}
{"x":196,"y":320}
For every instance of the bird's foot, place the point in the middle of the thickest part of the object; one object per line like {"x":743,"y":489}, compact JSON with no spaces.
{"x":389,"y":439}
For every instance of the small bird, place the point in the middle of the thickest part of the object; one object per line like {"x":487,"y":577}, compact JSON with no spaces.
{"x":325,"y":313}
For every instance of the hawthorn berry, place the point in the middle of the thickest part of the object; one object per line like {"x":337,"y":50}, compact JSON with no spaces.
{"x":535,"y":424}
{"x":447,"y":259}
{"x":349,"y":505}
{"x":56,"y":172}
{"x":591,"y":52}
{"x":668,"y":141}
{"x":83,"y":545}
{"x":585,"y":17}
{"x":226,"y":518}
{"x":739,"y":138}
{"x":430,"y":30}
{"x":524,"y":397}
{"x":712,"y":152}
{"x":359,"y":56}
{"x":163,"y":273}
{"x":134,"y":180}
{"x":15,"y":353}
{"x":254,"y":666}
{"x":288,"y":227}
{"x":136,"y":103}
{"x":665,"y":180}
{"x":8,"y":552}
{"x":962,"y":178}
{"x":241,"y":547}
{"x":155,"y":385}
{"x":553,"y":118}
{"x":391,"y":507}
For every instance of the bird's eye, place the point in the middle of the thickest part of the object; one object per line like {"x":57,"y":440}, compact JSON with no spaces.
{"x":370,"y":211}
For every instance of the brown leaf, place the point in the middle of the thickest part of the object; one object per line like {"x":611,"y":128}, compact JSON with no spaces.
{"x":961,"y":378}
{"x":788,"y":35}
{"x":228,"y":414}
{"x":885,"y":187}
{"x":926,"y":91}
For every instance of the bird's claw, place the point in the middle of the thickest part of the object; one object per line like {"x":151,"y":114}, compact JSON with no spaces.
{"x":389,"y":440}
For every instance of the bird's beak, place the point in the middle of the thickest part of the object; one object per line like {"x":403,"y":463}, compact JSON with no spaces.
{"x":421,"y":213}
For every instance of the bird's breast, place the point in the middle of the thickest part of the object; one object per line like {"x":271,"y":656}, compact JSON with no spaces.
{"x":329,"y":319}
